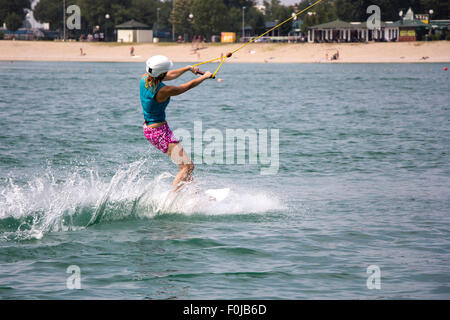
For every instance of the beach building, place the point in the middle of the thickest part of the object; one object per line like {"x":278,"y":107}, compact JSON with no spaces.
{"x":342,"y":31}
{"x":134,"y":31}
{"x":409,"y":28}
{"x":336,"y":30}
{"x":441,"y":28}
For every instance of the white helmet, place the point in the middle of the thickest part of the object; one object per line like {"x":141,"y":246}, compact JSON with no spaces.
{"x":158,"y":65}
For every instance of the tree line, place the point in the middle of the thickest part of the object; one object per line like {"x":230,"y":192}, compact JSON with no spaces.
{"x":356,"y":10}
{"x":12,"y":12}
{"x":208,"y":17}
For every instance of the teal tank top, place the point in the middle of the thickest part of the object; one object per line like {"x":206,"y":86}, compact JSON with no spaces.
{"x":154,"y":111}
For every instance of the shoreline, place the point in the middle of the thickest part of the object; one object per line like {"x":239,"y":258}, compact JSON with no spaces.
{"x":384,"y":52}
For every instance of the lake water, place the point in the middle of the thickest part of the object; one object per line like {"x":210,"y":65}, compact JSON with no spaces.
{"x":362,"y":184}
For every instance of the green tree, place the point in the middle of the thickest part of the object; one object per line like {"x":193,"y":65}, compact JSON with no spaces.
{"x":13,"y":21}
{"x":351,"y":10}
{"x":234,"y":19}
{"x":8,"y":7}
{"x":239,"y":3}
{"x":120,"y":13}
{"x":271,"y":7}
{"x":355,"y":10}
{"x":50,"y":11}
{"x":253,"y":18}
{"x":441,"y":8}
{"x":280,"y":14}
{"x":256,"y":20}
{"x":321,"y":13}
{"x":179,"y":16}
{"x":93,"y":12}
{"x":209,"y":17}
{"x":144,"y":11}
{"x":164,"y":15}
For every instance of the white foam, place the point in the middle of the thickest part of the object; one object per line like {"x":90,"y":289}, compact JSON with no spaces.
{"x":83,"y":198}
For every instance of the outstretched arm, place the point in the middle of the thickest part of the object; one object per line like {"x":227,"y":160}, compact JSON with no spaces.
{"x":168,"y":91}
{"x":173,"y":74}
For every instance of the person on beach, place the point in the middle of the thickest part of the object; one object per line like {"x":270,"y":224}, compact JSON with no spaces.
{"x":335,"y":56}
{"x":155,"y":96}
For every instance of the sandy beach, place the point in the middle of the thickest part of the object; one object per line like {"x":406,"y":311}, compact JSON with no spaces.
{"x":408,"y":52}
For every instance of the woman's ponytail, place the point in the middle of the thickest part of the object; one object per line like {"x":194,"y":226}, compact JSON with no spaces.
{"x":154,"y":82}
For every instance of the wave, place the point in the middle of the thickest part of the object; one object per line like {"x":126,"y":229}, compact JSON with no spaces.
{"x":51,"y":204}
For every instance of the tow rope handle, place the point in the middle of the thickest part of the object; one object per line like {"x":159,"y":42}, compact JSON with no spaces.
{"x":229,"y":54}
{"x":202,"y":73}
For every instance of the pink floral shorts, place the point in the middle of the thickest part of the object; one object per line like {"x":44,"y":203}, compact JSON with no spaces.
{"x":160,"y":137}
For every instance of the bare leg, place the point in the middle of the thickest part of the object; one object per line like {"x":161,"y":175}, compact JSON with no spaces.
{"x":185,"y":165}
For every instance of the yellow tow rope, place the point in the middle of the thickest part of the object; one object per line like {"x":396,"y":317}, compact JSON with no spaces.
{"x":229,"y":54}
{"x":223,"y":59}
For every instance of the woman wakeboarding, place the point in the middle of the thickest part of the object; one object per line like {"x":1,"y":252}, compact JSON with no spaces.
{"x":155,"y":96}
